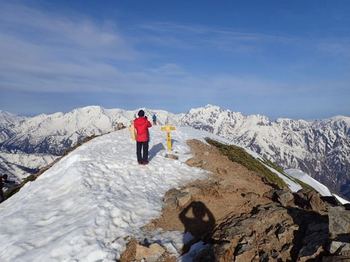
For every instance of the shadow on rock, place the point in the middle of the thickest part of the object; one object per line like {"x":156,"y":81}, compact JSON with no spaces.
{"x":312,"y":237}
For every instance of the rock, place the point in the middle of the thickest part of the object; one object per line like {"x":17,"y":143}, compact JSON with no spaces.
{"x":172,"y":156}
{"x":221,"y":171}
{"x":119,"y":126}
{"x":337,"y":247}
{"x":175,"y":198}
{"x":336,"y":259}
{"x":130,"y":251}
{"x":307,"y":254}
{"x":268,"y":230}
{"x":316,"y":203}
{"x":183,"y":199}
{"x":250,"y":196}
{"x":284,"y":197}
{"x":339,"y":221}
{"x":150,"y":254}
{"x":316,"y":236}
{"x":193,"y":191}
{"x":195,"y":163}
{"x":310,"y":199}
{"x":270,"y":194}
{"x":170,"y":198}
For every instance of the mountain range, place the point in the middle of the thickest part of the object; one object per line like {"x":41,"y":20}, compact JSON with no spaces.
{"x":320,"y":148}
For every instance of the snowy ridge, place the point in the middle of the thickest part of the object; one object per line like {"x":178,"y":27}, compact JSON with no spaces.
{"x":50,"y":135}
{"x":84,"y":206}
{"x":320,"y":148}
{"x":320,"y":188}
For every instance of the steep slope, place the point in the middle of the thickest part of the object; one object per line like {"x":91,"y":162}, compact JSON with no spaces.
{"x":20,"y":165}
{"x":88,"y":202}
{"x":319,"y":148}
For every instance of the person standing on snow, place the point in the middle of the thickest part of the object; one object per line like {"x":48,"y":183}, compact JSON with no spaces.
{"x":141,"y":125}
{"x":154,"y":119}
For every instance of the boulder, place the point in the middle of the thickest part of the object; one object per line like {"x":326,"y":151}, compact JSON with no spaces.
{"x":339,"y":221}
{"x":150,"y":254}
{"x":310,"y":200}
{"x":284,"y":197}
{"x":183,"y":199}
{"x":266,"y":232}
{"x":175,"y":199}
{"x":338,"y":247}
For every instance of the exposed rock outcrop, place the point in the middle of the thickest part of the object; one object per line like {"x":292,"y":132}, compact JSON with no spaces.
{"x":339,"y":229}
{"x":239,"y":217}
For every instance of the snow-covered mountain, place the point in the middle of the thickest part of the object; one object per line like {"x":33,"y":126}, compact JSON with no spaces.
{"x":55,"y":133}
{"x":7,"y":123}
{"x":320,"y":148}
{"x":44,"y":137}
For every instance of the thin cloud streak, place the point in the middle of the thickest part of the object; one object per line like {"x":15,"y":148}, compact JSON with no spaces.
{"x":51,"y":53}
{"x":73,"y":55}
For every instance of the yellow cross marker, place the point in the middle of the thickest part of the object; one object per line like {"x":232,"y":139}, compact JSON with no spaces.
{"x":168,"y":129}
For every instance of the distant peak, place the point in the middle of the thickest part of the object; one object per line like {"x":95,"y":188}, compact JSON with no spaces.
{"x":212,"y":106}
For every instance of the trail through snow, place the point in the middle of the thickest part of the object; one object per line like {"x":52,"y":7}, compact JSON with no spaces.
{"x":84,"y":207}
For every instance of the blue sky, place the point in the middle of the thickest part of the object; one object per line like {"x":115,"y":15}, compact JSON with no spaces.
{"x":278,"y":58}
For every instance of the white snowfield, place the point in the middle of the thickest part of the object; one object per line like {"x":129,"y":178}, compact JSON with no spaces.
{"x":85,"y":206}
{"x":298,"y":174}
{"x":319,"y":187}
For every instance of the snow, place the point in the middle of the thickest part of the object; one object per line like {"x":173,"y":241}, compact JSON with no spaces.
{"x":16,"y":165}
{"x":86,"y":205}
{"x":292,"y":185}
{"x":319,"y":187}
{"x":341,"y":200}
{"x":298,"y":174}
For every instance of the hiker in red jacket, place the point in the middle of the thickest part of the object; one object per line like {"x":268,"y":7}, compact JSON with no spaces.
{"x":141,"y":125}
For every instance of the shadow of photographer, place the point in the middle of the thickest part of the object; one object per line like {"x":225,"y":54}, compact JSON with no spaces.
{"x":199,"y":224}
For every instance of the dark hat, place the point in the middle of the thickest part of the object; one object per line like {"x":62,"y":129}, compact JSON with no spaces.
{"x":141,"y":113}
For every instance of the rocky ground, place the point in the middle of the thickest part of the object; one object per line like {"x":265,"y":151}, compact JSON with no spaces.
{"x":243,"y":218}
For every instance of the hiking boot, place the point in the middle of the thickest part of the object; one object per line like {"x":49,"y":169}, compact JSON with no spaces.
{"x":145,"y":162}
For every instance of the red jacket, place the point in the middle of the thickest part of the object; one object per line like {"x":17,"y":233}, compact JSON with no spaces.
{"x":141,"y":125}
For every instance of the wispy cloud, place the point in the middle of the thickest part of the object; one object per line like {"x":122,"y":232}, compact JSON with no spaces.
{"x":47,"y":52}
{"x":194,"y":36}
{"x":337,"y":47}
{"x":51,"y":52}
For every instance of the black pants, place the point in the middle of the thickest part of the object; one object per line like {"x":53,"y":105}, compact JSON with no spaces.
{"x":142,"y":146}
